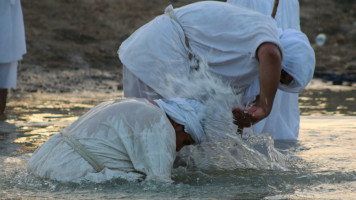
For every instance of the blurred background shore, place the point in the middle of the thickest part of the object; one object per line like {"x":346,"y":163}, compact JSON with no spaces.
{"x":72,"y":44}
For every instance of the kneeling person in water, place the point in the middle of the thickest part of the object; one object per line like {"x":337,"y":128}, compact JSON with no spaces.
{"x":134,"y":139}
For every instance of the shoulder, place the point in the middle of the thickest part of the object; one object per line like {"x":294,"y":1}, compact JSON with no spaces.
{"x":139,"y":109}
{"x":136,"y":104}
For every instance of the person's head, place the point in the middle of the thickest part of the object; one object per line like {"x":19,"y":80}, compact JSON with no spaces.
{"x":184,"y":115}
{"x":298,"y":61}
{"x":285,"y":78}
{"x":182,"y":138}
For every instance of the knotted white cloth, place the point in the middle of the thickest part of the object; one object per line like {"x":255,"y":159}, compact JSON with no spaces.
{"x":186,"y":112}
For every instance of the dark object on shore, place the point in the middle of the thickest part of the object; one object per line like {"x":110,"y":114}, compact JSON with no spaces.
{"x":349,"y":75}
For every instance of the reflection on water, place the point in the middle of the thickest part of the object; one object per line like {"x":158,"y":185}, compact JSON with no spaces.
{"x":327,"y":102}
{"x":37,"y":116}
{"x":337,"y":135}
{"x":323,"y":161}
{"x":328,"y":148}
{"x":320,"y":99}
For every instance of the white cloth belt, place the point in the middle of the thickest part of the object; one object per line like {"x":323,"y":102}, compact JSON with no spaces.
{"x":194,"y":61}
{"x":82,"y":151}
{"x":170,"y":13}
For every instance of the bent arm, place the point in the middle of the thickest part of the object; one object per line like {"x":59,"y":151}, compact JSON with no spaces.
{"x":270,"y":59}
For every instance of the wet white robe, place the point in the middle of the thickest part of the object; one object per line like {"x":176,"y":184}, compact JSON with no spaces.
{"x":283,"y":121}
{"x":133,"y":139}
{"x":225,"y":36}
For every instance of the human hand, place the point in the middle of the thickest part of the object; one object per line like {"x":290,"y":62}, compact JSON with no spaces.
{"x":242,"y":118}
{"x":249,"y":116}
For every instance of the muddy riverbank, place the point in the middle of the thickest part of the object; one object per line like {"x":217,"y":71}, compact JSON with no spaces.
{"x":72,"y":45}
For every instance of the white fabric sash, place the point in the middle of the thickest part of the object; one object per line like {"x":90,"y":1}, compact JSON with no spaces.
{"x":82,"y":151}
{"x":194,"y":61}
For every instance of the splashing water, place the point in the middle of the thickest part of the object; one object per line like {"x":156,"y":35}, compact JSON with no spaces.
{"x":222,"y":149}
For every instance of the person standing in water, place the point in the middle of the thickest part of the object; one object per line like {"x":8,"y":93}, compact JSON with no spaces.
{"x":12,"y":46}
{"x":133,"y":139}
{"x":283,"y":121}
{"x":238,"y":44}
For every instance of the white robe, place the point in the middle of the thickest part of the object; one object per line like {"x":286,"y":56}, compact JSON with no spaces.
{"x":12,"y":41}
{"x":12,"y":31}
{"x":287,"y":16}
{"x":283,"y":121}
{"x":225,"y":36}
{"x":8,"y":75}
{"x":132,"y":138}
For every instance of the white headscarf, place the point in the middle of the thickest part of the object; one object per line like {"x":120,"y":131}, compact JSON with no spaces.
{"x":186,"y":112}
{"x":298,"y":60}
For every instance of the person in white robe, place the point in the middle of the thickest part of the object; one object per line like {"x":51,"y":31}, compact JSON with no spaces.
{"x":238,"y":44}
{"x":283,"y":121}
{"x":133,"y":139}
{"x":287,"y":16}
{"x":12,"y":46}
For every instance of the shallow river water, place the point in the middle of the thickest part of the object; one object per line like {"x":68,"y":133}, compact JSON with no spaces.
{"x":322,"y":163}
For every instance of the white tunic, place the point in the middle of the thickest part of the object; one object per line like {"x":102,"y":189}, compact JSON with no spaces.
{"x":287,"y":15}
{"x":133,"y":139}
{"x":283,"y":121}
{"x":8,"y":75}
{"x":12,"y":33}
{"x":225,"y":36}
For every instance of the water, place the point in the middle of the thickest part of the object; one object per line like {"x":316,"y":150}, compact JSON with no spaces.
{"x":321,"y":165}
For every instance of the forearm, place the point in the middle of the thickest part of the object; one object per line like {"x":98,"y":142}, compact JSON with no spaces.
{"x":270,"y":60}
{"x":270,"y":69}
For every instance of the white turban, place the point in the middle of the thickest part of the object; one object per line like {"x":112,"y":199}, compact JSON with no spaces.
{"x":298,"y":60}
{"x":186,"y":112}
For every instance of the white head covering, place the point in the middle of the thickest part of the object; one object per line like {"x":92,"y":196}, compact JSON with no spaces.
{"x":298,"y":60}
{"x":186,"y":112}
